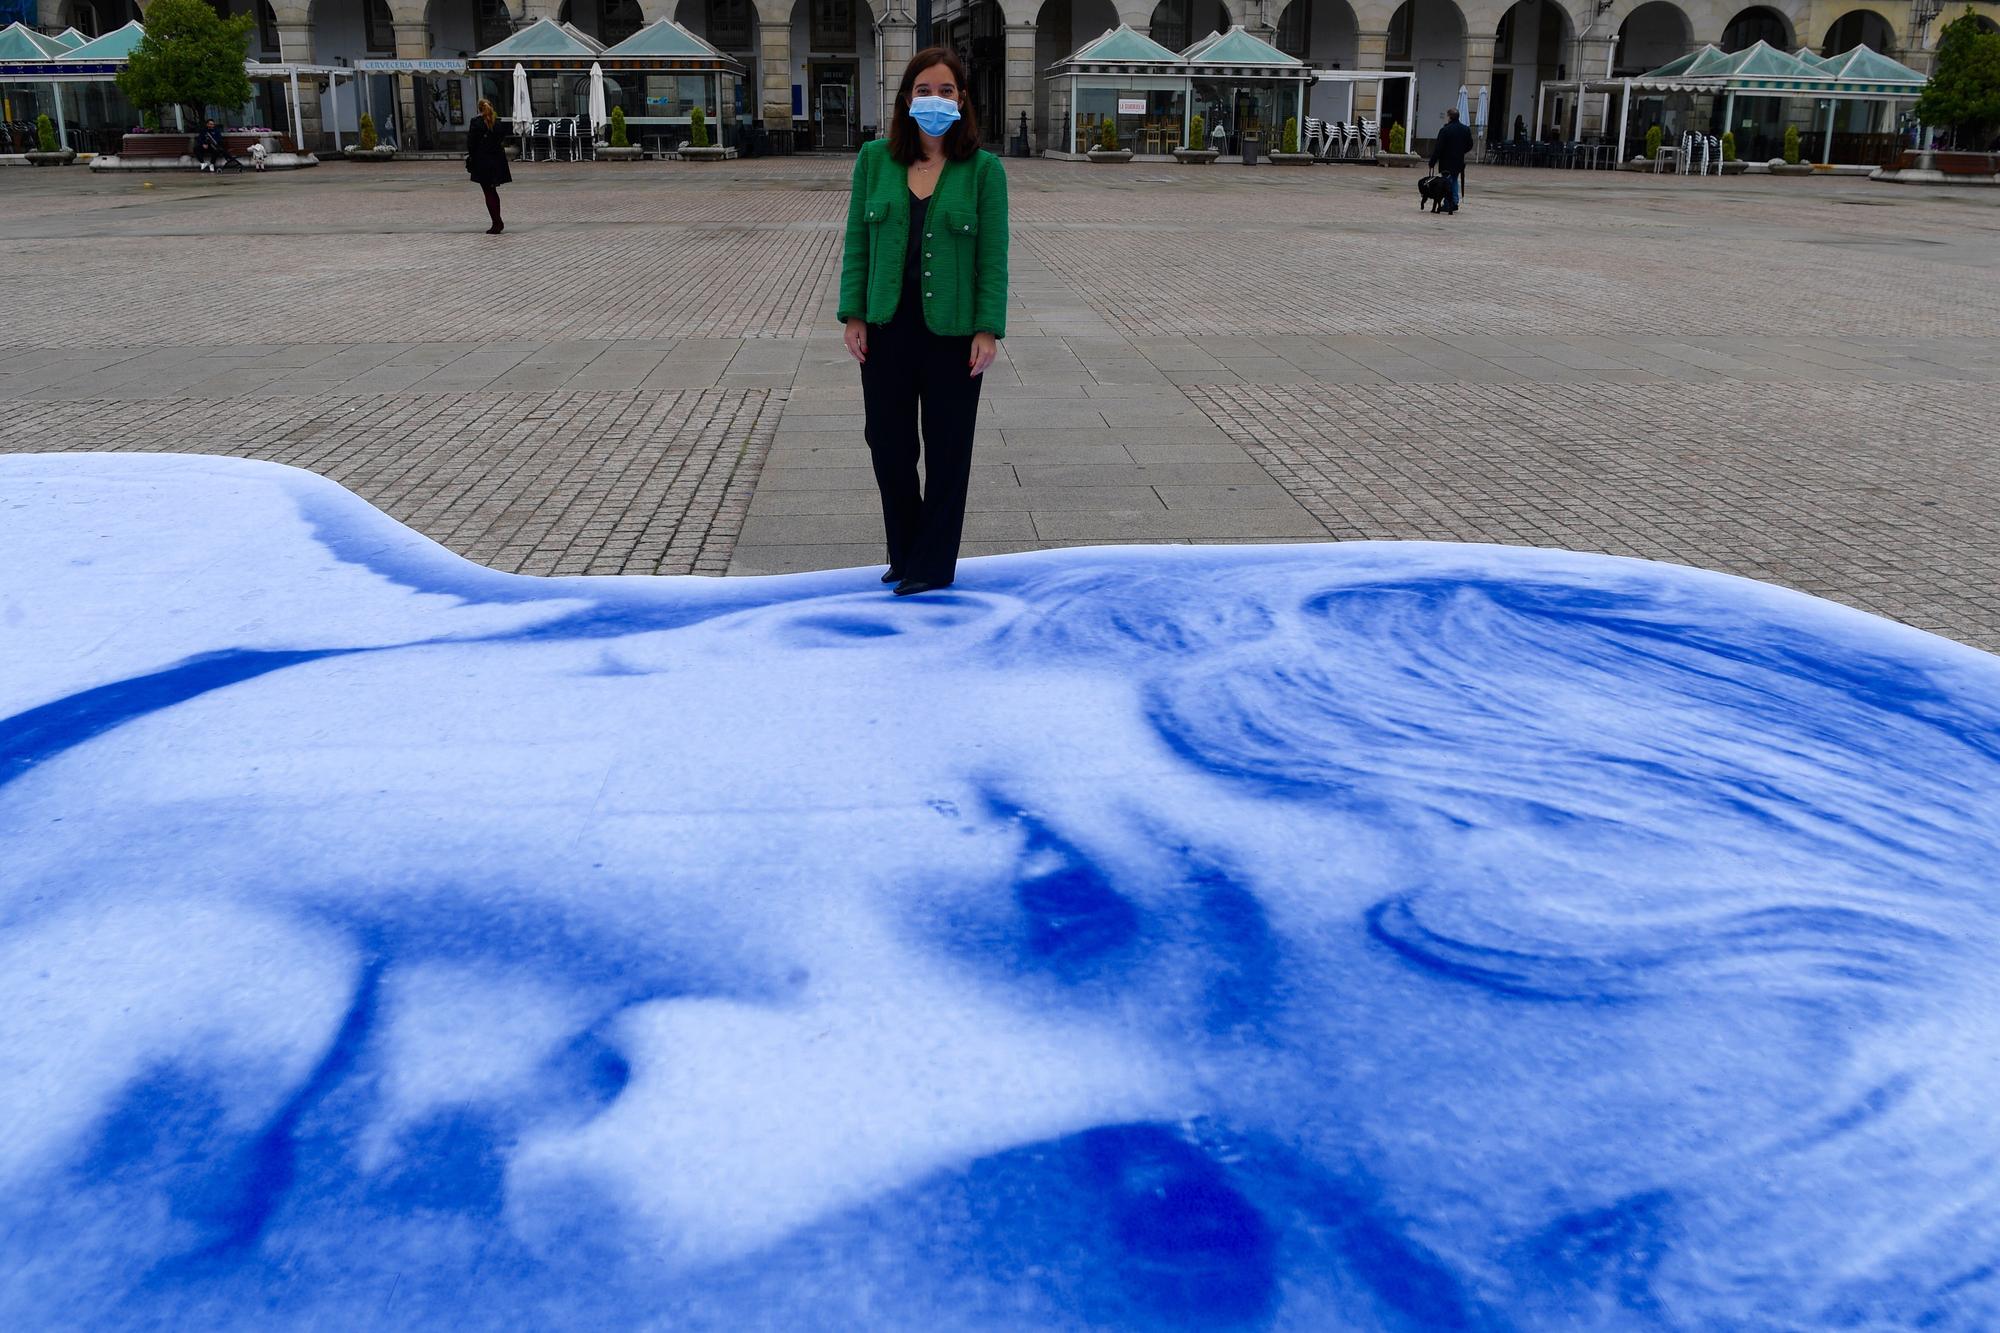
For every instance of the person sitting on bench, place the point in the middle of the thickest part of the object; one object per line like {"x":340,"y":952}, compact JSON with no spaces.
{"x":208,"y":147}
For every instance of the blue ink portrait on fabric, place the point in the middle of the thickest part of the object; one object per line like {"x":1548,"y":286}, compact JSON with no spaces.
{"x":1380,"y":936}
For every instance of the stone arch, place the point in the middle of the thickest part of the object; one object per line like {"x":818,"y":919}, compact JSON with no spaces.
{"x":1061,"y":27}
{"x":1326,"y":34}
{"x":833,"y":62}
{"x":1859,"y":27}
{"x":1534,"y":42}
{"x":1179,"y":24}
{"x":1650,"y":35}
{"x":1759,"y":23}
{"x":1427,"y":36}
{"x":609,"y":21}
{"x":736,"y":27}
{"x":94,"y":18}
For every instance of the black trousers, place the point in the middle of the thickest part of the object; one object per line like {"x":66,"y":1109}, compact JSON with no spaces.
{"x":915,"y":377}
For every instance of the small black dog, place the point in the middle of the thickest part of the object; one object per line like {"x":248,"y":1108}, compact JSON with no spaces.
{"x":1435,"y":191}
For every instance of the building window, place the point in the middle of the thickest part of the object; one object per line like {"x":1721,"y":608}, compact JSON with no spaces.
{"x":729,"y":24}
{"x":1171,"y":21}
{"x":1295,"y":29}
{"x":1399,"y":32}
{"x":1503,"y":39}
{"x":832,"y":25}
{"x":491,"y":23}
{"x":617,"y":20}
{"x":381,"y":27}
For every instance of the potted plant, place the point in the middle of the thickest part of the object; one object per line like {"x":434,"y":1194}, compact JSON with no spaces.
{"x":1191,"y":152}
{"x":1789,"y":164}
{"x":368,"y":147}
{"x":1107,"y":149}
{"x":620,"y":148}
{"x":697,"y":148}
{"x":1288,"y":154}
{"x":47,"y":152}
{"x":1731,"y":164}
{"x":1396,"y":157}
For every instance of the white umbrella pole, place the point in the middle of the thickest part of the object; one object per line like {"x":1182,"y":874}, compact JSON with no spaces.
{"x":62,"y":125}
{"x":1624,"y":119}
{"x":1540,"y":94}
{"x":1826,"y":146}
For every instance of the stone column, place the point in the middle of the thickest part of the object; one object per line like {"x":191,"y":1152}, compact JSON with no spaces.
{"x":295,"y":48}
{"x":774,"y":51}
{"x":1479,"y":74}
{"x":899,"y":43}
{"x":1020,"y":84}
{"x":1371,"y":51}
{"x":1594,"y":55}
{"x":413,"y":42}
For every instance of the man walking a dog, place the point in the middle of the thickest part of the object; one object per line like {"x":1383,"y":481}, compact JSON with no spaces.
{"x":1448,"y":153}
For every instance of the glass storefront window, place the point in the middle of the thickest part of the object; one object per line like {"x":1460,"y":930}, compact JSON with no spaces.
{"x":678,"y":94}
{"x":1260,"y":108}
{"x":1155,"y":129}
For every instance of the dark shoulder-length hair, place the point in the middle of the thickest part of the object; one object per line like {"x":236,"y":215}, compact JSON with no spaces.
{"x":961,"y":140}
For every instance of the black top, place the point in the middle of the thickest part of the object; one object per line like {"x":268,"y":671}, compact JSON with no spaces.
{"x":909,"y":314}
{"x":486,"y":153}
{"x":1449,"y":149}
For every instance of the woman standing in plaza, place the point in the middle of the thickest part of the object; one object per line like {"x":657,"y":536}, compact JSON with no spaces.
{"x":486,"y":161}
{"x":923,"y":293}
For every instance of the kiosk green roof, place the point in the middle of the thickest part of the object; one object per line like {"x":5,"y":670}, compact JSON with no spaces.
{"x":1236,"y":47}
{"x":664,"y":39}
{"x":543,"y":39}
{"x":118,"y":44}
{"x":19,"y":42}
{"x":1122,"y":46}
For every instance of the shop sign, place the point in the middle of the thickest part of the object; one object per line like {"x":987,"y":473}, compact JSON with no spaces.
{"x":1131,"y":106}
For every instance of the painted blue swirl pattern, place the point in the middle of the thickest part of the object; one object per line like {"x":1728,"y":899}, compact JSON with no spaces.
{"x":1401,"y":937}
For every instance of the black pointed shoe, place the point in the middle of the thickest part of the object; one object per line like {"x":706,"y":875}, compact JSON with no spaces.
{"x":893,"y":576}
{"x":910,"y":586}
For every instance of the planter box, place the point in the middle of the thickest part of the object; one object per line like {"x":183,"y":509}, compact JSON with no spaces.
{"x":1103,"y":156}
{"x":703,"y":154}
{"x":61,"y":157}
{"x":1195,"y":157}
{"x":1735,"y":168}
{"x":378,"y":153}
{"x":1291,"y":159}
{"x":153,"y":144}
{"x":1398,"y":160}
{"x":1782,"y":168}
{"x":626,"y":154}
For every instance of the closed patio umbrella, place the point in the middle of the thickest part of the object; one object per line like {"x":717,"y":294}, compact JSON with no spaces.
{"x":1464,"y":107}
{"x":1484,"y":94}
{"x":597,"y":113}
{"x":524,"y":106}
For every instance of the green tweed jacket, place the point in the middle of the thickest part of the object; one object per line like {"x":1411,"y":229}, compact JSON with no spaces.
{"x":965,"y":244}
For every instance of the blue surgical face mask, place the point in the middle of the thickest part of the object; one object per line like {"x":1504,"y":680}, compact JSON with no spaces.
{"x":934,"y":115}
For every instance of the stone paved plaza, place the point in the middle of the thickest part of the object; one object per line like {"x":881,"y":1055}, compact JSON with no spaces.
{"x":1792,"y":380}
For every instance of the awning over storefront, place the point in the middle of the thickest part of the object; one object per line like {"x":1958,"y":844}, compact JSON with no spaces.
{"x":544,"y":45}
{"x":658,"y":75}
{"x":20,"y":42}
{"x":1760,"y":70}
{"x":1149,"y":92}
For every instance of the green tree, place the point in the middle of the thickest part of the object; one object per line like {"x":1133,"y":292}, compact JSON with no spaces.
{"x":45,"y":134}
{"x":1197,"y":133}
{"x":697,"y":128}
{"x":1397,"y":139}
{"x":1107,"y":135}
{"x":1289,"y":140}
{"x":620,"y":136}
{"x":1791,"y":145}
{"x":189,"y":58}
{"x":1964,"y":91}
{"x":367,"y":137}
{"x":1654,"y":137}
{"x":1728,"y":146}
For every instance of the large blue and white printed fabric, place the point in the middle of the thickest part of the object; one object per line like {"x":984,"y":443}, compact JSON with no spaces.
{"x":1374,"y":936}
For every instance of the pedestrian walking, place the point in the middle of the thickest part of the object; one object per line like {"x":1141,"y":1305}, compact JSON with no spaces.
{"x":486,"y":160}
{"x":923,"y":293}
{"x":1448,"y":153}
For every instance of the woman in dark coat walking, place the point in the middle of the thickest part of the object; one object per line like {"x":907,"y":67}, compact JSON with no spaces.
{"x":486,"y":160}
